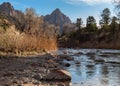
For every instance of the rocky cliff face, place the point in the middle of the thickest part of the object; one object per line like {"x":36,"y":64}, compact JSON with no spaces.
{"x":6,"y":9}
{"x":57,"y":18}
{"x":17,"y":17}
{"x":14,"y":16}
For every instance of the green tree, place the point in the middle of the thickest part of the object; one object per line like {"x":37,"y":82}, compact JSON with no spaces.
{"x":91,"y":24}
{"x":114,"y":24}
{"x":79,"y":22}
{"x":106,"y":16}
{"x":117,"y":10}
{"x":114,"y":29}
{"x":105,"y":19}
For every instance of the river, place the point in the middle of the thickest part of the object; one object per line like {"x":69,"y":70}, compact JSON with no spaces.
{"x":93,"y":67}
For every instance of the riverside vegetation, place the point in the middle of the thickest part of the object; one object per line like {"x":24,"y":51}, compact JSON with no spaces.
{"x":106,"y":35}
{"x":25,"y":39}
{"x":25,"y":35}
{"x":27,"y":32}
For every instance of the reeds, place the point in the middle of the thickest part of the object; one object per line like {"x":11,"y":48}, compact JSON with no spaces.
{"x":15,"y":42}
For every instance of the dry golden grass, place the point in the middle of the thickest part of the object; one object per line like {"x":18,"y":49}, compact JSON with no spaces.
{"x":14,"y":42}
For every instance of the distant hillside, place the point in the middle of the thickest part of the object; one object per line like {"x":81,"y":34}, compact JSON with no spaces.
{"x":14,"y":16}
{"x":24,"y":32}
{"x":18,"y":18}
{"x":7,"y":9}
{"x":57,"y":18}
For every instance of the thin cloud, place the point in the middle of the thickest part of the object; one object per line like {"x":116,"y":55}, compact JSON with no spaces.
{"x":89,"y":2}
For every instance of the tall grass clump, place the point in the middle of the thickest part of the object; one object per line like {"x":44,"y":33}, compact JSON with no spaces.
{"x":12,"y":41}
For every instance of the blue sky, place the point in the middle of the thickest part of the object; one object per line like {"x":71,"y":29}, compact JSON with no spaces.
{"x":72,"y":8}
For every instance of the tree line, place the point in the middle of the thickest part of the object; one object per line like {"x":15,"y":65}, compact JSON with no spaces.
{"x":106,"y":35}
{"x":106,"y":22}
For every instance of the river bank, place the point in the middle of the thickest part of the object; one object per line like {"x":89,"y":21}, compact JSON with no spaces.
{"x":40,"y":70}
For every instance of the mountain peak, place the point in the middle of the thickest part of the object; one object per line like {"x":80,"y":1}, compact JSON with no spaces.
{"x":6,"y":8}
{"x":6,"y":4}
{"x":57,"y":10}
{"x":57,"y":18}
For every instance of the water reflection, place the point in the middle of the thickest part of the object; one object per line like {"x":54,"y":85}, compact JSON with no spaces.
{"x":78,"y":71}
{"x":90,"y":73}
{"x":104,"y":71}
{"x":104,"y":75}
{"x":90,"y":70}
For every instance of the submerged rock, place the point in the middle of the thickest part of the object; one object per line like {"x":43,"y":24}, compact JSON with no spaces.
{"x":65,"y":57}
{"x":77,"y":62}
{"x":79,"y":53}
{"x":99,"y":60}
{"x":67,"y":65}
{"x":113,"y":62}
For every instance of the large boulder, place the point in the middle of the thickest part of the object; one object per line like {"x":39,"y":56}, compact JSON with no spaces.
{"x":59,"y":75}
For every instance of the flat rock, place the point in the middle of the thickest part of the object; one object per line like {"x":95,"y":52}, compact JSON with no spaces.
{"x":59,"y":75}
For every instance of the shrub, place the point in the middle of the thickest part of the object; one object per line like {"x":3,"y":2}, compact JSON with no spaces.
{"x":15,"y":42}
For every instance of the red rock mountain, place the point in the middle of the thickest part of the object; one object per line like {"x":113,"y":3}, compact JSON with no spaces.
{"x":14,"y":16}
{"x":18,"y":18}
{"x":57,"y":18}
{"x":6,"y":9}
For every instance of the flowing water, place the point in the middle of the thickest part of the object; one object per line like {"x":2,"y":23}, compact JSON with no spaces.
{"x":93,"y":67}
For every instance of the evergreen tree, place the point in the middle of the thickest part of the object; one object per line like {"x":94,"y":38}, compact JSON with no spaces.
{"x":91,"y":24}
{"x":79,"y":22}
{"x":105,"y":19}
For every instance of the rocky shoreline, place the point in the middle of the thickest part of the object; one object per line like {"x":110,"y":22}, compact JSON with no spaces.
{"x":41,"y":70}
